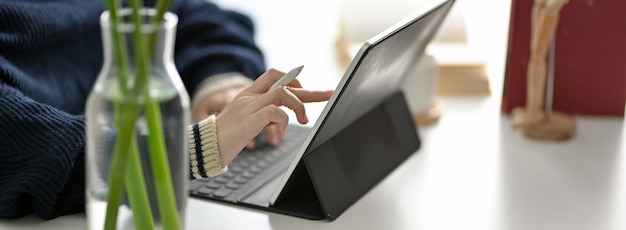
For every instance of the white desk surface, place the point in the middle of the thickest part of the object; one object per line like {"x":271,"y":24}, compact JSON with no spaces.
{"x":473,"y":171}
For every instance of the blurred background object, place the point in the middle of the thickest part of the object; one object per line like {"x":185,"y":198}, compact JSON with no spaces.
{"x":461,"y":68}
{"x":589,"y":61}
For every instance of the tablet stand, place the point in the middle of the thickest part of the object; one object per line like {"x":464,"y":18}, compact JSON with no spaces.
{"x":332,"y":177}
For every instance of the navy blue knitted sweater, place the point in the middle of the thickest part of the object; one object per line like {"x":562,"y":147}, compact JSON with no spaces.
{"x":50,"y":55}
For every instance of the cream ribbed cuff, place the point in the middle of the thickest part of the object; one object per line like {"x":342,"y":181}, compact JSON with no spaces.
{"x":204,"y":154}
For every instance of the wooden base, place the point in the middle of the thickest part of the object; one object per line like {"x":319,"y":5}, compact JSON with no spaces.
{"x":430,"y":116}
{"x":558,"y":126}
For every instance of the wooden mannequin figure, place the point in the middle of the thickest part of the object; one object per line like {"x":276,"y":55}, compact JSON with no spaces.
{"x":534,"y":120}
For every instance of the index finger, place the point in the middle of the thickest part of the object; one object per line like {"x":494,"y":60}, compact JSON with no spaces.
{"x":263,"y":83}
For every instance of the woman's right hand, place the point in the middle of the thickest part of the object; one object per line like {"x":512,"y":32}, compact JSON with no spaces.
{"x":256,"y":108}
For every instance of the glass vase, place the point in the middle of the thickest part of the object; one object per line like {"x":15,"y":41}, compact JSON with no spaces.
{"x":136,"y":119}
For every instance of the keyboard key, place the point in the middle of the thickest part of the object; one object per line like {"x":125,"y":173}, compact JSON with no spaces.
{"x":224,"y":192}
{"x":221,"y":180}
{"x":262,"y":164}
{"x":213,"y":185}
{"x":243,"y":164}
{"x":240,"y":179}
{"x":255,"y":169}
{"x":269,"y":158}
{"x":248,"y":174}
{"x":232,"y":185}
{"x":252,"y":158}
{"x":205,"y":191}
{"x":228,"y":174}
{"x":195,"y":184}
{"x":277,"y":154}
{"x":235,"y":169}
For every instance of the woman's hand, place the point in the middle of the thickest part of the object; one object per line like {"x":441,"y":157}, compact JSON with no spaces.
{"x":255,"y":108}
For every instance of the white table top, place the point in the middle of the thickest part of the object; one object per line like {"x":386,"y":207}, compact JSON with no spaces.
{"x":474,"y":171}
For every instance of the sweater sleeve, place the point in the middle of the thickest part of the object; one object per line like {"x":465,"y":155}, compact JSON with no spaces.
{"x":211,"y":41}
{"x":43,"y":166}
{"x":42,"y":152}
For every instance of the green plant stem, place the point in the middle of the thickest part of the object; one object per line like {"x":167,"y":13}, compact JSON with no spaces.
{"x":119,"y":47}
{"x":156,"y":140}
{"x":161,"y":7}
{"x":141,"y":52}
{"x":126,"y":113}
{"x":160,"y":168}
{"x":125,"y":116}
{"x":136,"y":189}
{"x":124,"y":121}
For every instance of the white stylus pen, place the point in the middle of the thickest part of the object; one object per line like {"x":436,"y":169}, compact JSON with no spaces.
{"x":288,"y":77}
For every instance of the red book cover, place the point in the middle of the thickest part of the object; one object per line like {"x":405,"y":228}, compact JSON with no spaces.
{"x":589,"y":63}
